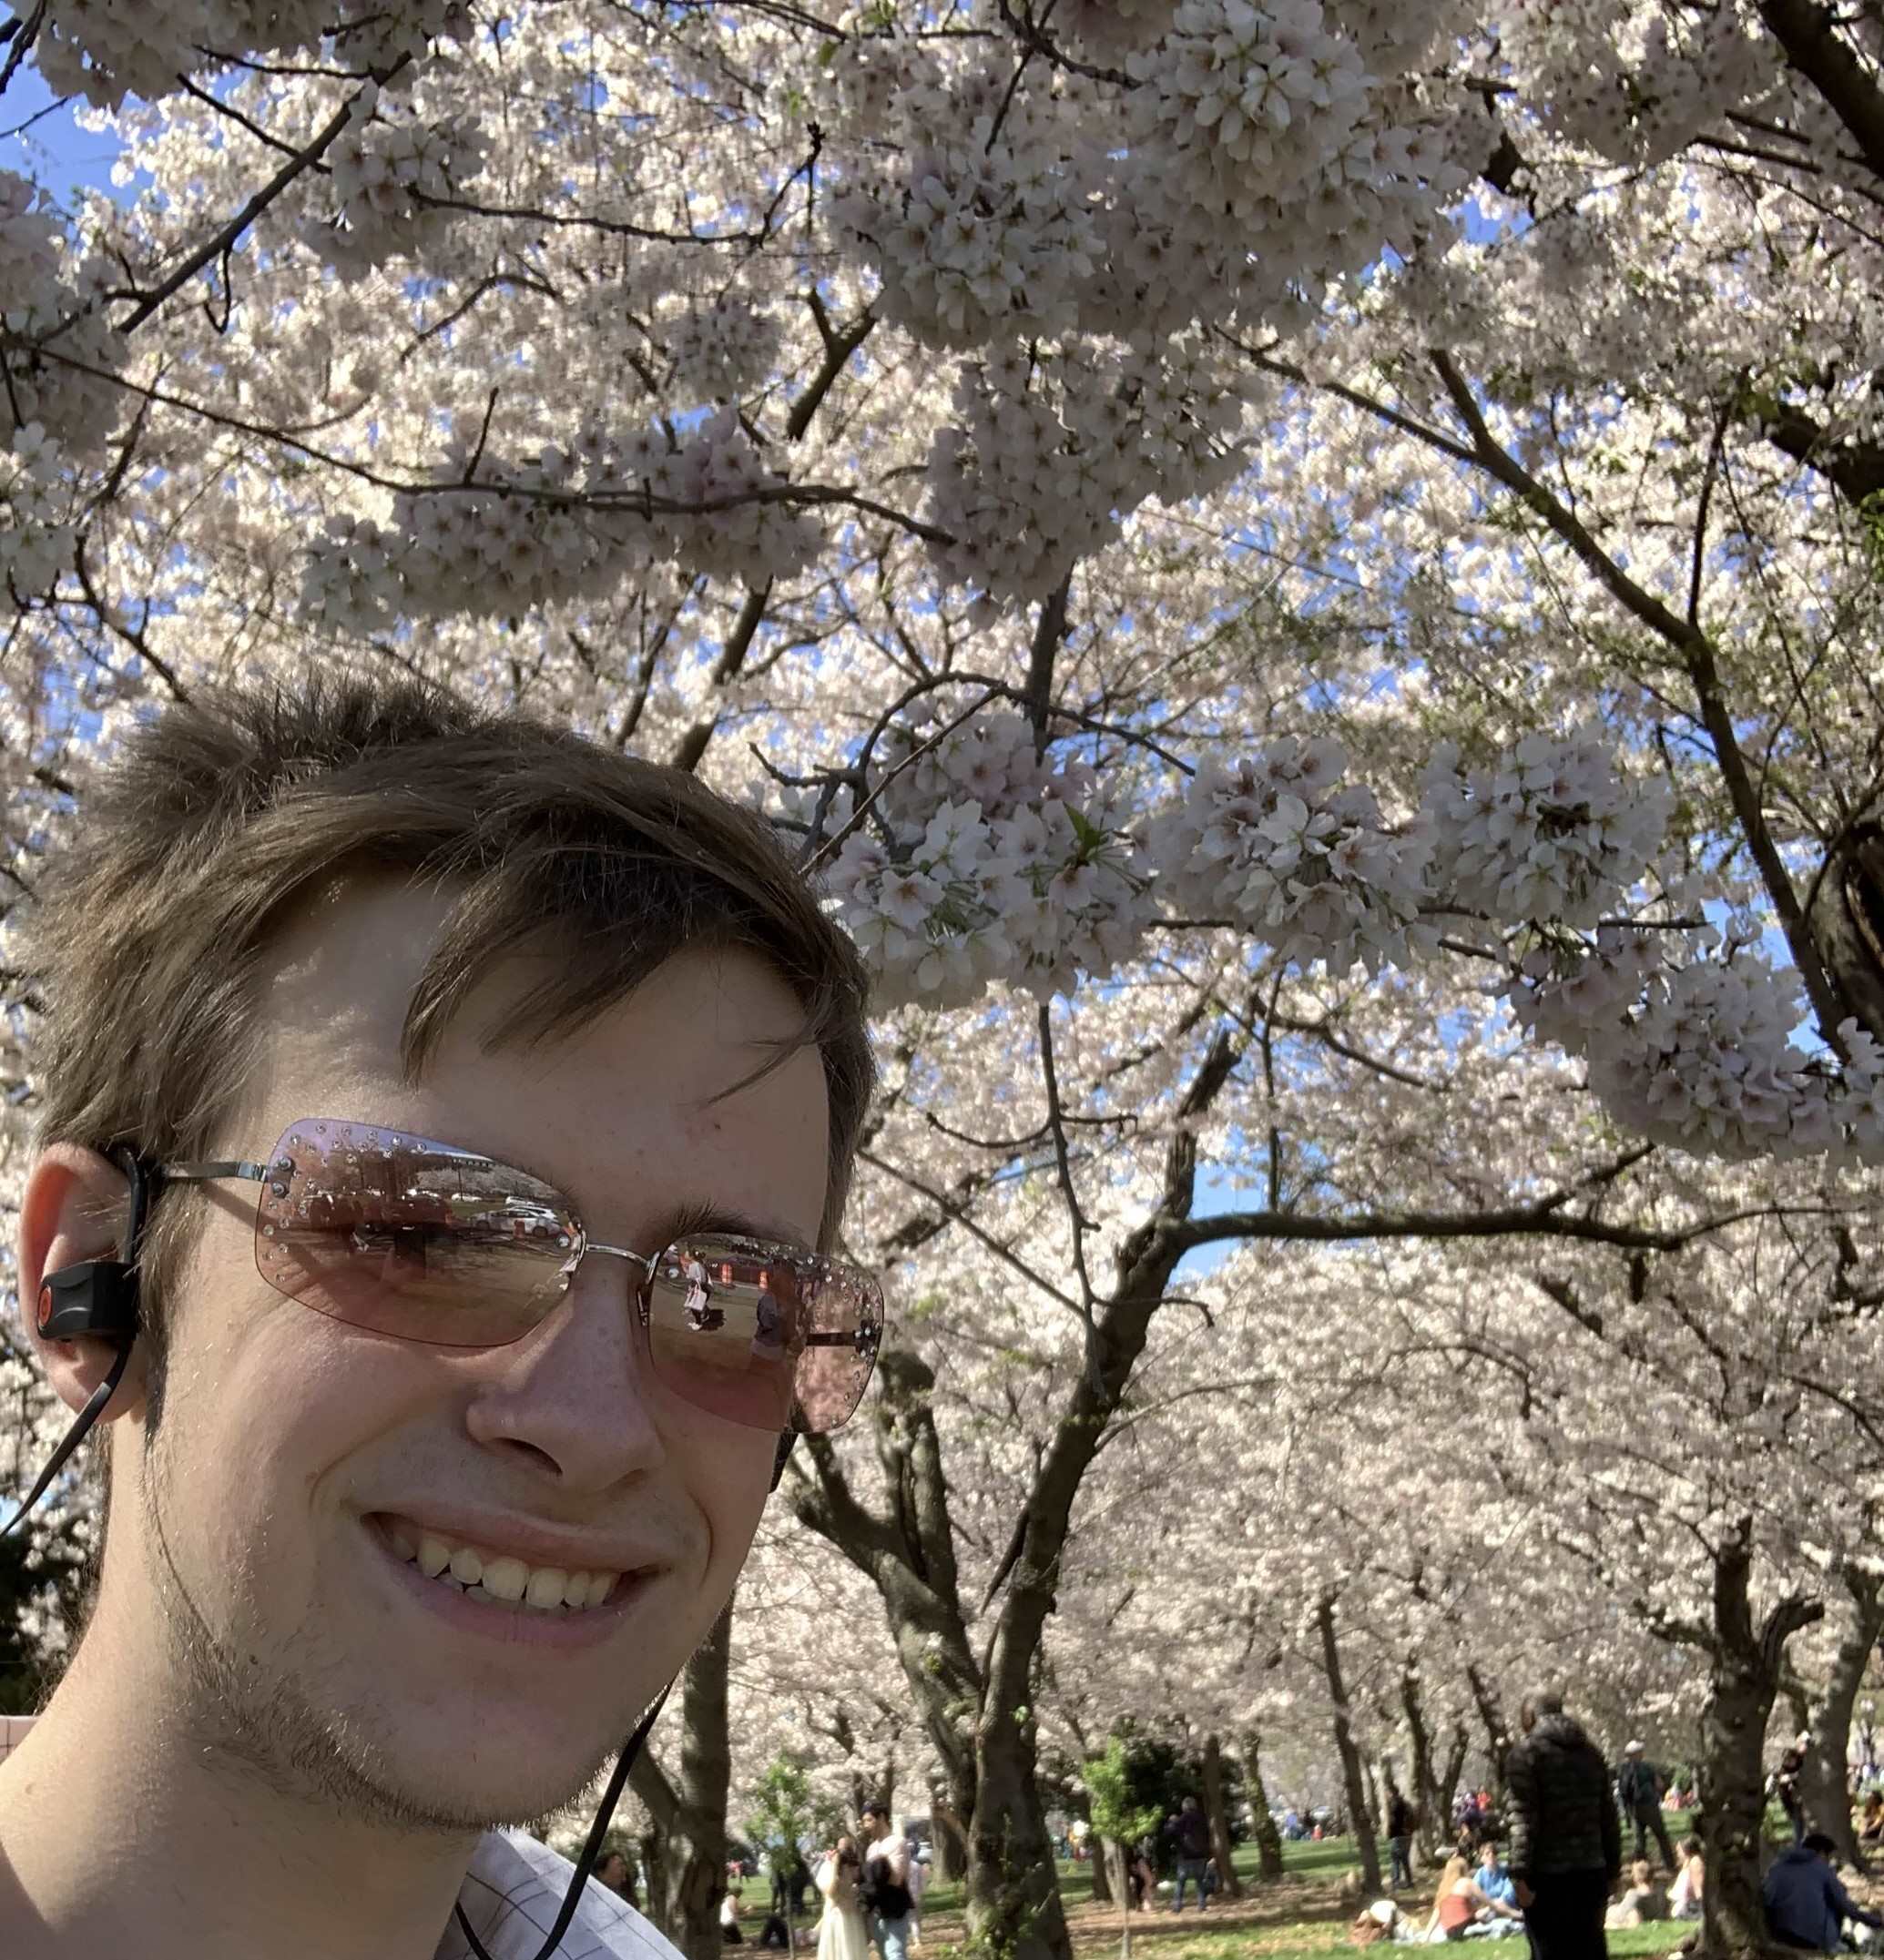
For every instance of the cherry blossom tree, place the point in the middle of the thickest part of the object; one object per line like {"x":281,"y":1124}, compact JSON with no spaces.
{"x":1305,"y":574}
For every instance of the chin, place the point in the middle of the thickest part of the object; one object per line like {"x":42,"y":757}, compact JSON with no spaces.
{"x":488,"y":1786}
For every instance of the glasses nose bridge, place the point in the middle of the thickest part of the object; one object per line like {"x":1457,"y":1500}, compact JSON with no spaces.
{"x":585,"y":1246}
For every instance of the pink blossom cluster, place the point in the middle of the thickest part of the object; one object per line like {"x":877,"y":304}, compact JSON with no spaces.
{"x":1635,"y":85}
{"x":1048,"y":452}
{"x":1694,"y":1045}
{"x":984,"y":226}
{"x":1308,"y":126}
{"x":1278,"y":843}
{"x":386,"y":168}
{"x":36,"y":533}
{"x":1552,"y":831}
{"x":106,"y":49}
{"x":1025,"y":875}
{"x":52,"y":331}
{"x":720,"y":349}
{"x":564,"y":526}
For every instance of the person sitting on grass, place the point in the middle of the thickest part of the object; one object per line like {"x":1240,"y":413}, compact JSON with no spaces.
{"x":1494,"y":1880}
{"x":1643,"y":1903}
{"x":1870,"y":1822}
{"x":1459,"y":1903}
{"x":1807,"y":1907}
{"x":1684,"y":1894}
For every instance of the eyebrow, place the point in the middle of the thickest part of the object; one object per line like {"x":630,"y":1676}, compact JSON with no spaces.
{"x":709,"y":1215}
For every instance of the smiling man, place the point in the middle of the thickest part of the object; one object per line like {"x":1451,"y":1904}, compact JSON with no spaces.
{"x":424,"y":1055}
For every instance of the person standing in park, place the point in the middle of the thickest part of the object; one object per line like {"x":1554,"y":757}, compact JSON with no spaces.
{"x":1785,"y":1784}
{"x":612,"y":1872}
{"x":415,"y":1509}
{"x":842,"y":1932}
{"x":887,"y":1899}
{"x":1190,"y":1839}
{"x":1566,"y":1837}
{"x":1640,"y":1787}
{"x":1399,"y":1837}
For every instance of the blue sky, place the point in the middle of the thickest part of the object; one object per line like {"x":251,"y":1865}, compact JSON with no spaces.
{"x":55,"y":151}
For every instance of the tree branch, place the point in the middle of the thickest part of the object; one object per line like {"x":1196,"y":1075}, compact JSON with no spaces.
{"x":1806,"y":30}
{"x":1696,"y":652}
{"x":299,"y":162}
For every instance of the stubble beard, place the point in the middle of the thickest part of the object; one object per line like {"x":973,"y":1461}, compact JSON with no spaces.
{"x":246,"y":1704}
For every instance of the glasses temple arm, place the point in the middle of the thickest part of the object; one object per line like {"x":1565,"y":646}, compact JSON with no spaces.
{"x":201,"y":1173}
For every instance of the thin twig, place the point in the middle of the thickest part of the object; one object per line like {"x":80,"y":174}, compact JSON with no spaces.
{"x":300,"y":161}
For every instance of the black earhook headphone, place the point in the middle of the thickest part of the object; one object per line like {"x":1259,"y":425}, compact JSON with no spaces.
{"x":96,"y":1299}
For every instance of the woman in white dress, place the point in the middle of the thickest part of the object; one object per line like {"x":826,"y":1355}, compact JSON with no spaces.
{"x":841,"y":1933}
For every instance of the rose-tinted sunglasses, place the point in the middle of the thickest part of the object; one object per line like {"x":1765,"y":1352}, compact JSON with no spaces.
{"x":428,"y":1242}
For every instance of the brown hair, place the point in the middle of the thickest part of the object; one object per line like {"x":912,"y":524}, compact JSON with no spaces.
{"x":215,"y":817}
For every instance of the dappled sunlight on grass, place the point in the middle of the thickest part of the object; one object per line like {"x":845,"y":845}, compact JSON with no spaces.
{"x":1300,"y":1917}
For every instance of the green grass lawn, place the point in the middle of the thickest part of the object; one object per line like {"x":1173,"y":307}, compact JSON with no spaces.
{"x":1331,"y":1856}
{"x":1300,"y":1917}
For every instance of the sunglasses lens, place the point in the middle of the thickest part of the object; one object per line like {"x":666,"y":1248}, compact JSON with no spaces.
{"x":735,"y":1326}
{"x":403,"y":1237}
{"x":846,"y":1327}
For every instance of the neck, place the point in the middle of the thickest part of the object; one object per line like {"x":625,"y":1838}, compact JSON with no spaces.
{"x":127,"y":1826}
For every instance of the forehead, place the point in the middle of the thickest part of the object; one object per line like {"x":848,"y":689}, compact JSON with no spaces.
{"x":628,"y":1113}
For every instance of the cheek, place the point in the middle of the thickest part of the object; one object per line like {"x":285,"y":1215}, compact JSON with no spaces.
{"x":730,"y":1470}
{"x":268,"y":1398}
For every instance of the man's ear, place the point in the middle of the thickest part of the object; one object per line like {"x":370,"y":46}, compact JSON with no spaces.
{"x":74,"y":1208}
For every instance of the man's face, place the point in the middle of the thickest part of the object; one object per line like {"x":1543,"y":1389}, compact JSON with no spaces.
{"x":291,"y":1443}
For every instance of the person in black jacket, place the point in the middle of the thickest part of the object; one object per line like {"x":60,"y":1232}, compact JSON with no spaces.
{"x":1640,"y":1786}
{"x":1399,"y":1835}
{"x":1566,"y":1839}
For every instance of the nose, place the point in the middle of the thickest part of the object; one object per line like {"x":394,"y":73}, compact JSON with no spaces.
{"x":576,"y":1395}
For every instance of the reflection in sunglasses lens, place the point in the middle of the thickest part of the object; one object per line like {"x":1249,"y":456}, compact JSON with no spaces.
{"x":427,"y":1242}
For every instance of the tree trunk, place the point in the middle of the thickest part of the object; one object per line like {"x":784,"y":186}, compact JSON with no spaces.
{"x":1012,"y":1895}
{"x":950,"y":1836}
{"x":1433,"y":1807}
{"x":979,"y":1717}
{"x":1497,"y":1734}
{"x":685,"y":1855}
{"x":1112,"y":1859}
{"x":652,"y":1846}
{"x":1269,"y":1840}
{"x":1823,"y":1788}
{"x":1345,"y":1749}
{"x":1743,"y":1681}
{"x":1440,"y":1830}
{"x":1220,"y":1822}
{"x":1099,"y":1851}
{"x":1373,"y":1818}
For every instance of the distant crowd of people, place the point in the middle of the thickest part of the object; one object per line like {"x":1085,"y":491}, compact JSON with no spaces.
{"x":1562,"y":1880}
{"x":1549,"y":1864}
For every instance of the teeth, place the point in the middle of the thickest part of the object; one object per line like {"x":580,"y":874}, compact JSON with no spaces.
{"x":499,"y":1581}
{"x":506,"y":1577}
{"x":545,"y":1586}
